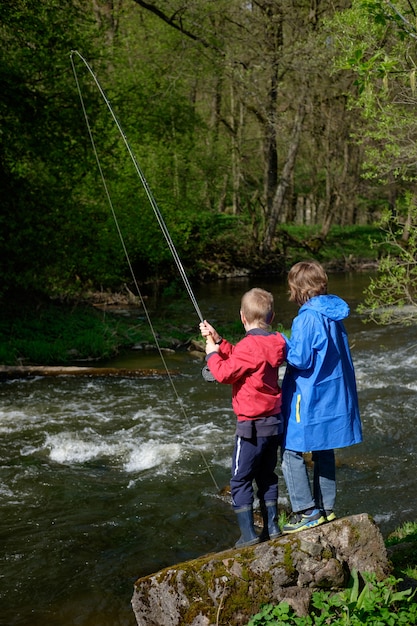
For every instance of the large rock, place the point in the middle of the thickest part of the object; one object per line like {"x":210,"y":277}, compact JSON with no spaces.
{"x":229,"y":587}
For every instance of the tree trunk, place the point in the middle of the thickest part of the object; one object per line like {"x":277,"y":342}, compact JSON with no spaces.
{"x":236,"y":123}
{"x":286,"y":176}
{"x":107,"y":16}
{"x":274,"y":40}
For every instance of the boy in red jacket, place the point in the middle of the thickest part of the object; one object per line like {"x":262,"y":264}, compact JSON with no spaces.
{"x":251,"y":367}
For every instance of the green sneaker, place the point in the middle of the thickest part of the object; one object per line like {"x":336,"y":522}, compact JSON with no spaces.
{"x":329,"y":515}
{"x":301,"y":521}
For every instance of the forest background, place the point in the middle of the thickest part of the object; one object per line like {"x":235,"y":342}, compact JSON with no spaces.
{"x":268,"y":131}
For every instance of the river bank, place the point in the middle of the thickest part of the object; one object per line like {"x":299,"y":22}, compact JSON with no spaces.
{"x":99,"y":325}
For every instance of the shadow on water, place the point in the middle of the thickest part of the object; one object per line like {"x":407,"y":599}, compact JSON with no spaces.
{"x":104,"y":480}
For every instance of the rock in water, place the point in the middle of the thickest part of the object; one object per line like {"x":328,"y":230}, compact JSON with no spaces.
{"x":229,"y":587}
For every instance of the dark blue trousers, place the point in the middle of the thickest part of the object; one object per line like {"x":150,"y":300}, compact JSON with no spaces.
{"x":254,"y":459}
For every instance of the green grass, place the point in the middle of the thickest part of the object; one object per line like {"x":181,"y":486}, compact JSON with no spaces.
{"x":402,"y":544}
{"x":343,"y":244}
{"x":56,"y":334}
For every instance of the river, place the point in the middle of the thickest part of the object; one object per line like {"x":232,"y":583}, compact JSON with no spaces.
{"x":104,"y":480}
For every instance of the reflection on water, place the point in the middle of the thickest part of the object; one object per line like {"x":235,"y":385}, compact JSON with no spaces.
{"x":104,"y":480}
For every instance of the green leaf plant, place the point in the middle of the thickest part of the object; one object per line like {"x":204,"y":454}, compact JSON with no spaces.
{"x":365,"y":602}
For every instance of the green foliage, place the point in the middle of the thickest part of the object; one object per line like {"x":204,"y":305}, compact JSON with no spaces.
{"x":403,"y":550}
{"x":196,"y":109}
{"x":40,"y":143}
{"x":27,"y":322}
{"x":172,"y":95}
{"x":365,"y":602}
{"x":391,"y":296}
{"x":52,"y":333}
{"x":342,"y":244}
{"x":376,"y":42}
{"x":406,"y":532}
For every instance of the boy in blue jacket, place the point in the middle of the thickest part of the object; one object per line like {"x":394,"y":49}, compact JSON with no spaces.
{"x":320,"y":401}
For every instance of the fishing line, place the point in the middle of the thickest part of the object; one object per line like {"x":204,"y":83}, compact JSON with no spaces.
{"x":144,"y":182}
{"x":161,"y":224}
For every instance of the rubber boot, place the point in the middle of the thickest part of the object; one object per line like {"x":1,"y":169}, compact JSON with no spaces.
{"x":245,"y":520}
{"x":269,"y":512}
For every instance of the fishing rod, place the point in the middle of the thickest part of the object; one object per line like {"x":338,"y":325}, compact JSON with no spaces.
{"x":143,"y":180}
{"x":161,"y":223}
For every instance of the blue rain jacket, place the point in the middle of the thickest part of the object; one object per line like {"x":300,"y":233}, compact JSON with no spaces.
{"x":320,"y":400}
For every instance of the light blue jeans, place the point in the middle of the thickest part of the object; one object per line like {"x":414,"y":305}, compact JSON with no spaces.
{"x":297,"y":480}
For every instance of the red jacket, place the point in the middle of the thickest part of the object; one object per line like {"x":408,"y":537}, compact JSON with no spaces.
{"x":251,"y":367}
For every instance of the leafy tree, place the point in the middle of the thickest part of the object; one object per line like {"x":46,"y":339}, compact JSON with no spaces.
{"x":151,"y":98}
{"x":231,"y":111}
{"x":42,"y":143}
{"x":378,"y":41}
{"x":269,"y":59}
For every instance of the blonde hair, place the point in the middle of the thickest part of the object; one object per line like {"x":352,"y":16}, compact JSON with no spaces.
{"x":306,"y":280}
{"x":257,"y":306}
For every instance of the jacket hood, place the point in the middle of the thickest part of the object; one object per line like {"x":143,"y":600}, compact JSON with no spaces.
{"x":329,"y":305}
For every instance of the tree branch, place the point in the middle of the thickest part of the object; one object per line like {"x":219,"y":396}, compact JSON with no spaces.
{"x":176,"y":22}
